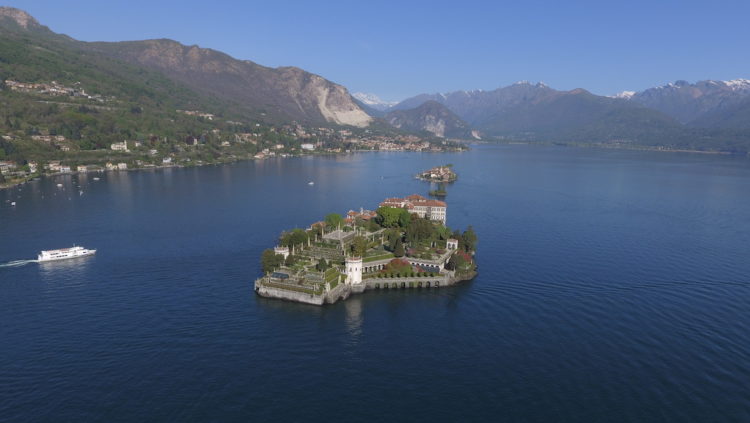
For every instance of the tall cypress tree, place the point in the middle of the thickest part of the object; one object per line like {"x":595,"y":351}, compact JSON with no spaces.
{"x":398,"y":250}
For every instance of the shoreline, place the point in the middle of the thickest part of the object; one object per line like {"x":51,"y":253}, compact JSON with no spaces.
{"x":5,"y":186}
{"x":342,"y":292}
{"x":624,"y":148}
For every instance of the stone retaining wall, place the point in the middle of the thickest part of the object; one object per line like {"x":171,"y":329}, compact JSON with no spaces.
{"x":343,"y":291}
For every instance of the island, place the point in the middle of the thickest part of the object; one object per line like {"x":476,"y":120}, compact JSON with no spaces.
{"x":439,"y":174}
{"x":404,"y":244}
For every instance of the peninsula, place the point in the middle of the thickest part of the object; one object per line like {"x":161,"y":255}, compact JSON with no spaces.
{"x":403,"y":244}
{"x":439,"y":174}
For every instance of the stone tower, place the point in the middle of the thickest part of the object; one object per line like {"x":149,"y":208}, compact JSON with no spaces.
{"x":354,"y":271}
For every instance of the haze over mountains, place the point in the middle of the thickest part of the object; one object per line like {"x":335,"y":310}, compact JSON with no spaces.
{"x":432,"y":117}
{"x":706,"y":115}
{"x":677,"y":113}
{"x":373,"y":101}
{"x":703,"y":104}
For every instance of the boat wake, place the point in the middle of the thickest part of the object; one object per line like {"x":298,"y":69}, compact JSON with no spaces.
{"x":17,"y":263}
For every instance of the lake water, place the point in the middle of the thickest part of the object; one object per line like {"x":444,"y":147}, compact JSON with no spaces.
{"x":614,"y":286}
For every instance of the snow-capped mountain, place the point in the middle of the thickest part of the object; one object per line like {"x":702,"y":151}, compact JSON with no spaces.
{"x":477,"y":106}
{"x":624,"y":94}
{"x":738,"y":84}
{"x":374,"y":101}
{"x":690,"y":102}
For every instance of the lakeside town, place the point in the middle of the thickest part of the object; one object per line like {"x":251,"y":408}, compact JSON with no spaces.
{"x":133,"y":154}
{"x":404,"y":244}
{"x":199,"y":138}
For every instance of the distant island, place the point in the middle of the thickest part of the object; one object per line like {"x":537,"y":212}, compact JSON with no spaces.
{"x":403,"y":244}
{"x":439,"y":174}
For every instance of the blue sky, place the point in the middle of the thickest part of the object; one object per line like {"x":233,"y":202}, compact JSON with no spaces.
{"x":397,"y":49}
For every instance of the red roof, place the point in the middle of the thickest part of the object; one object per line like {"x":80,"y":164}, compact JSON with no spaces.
{"x":411,"y":201}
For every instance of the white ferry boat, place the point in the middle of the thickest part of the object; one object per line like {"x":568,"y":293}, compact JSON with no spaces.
{"x":64,"y":253}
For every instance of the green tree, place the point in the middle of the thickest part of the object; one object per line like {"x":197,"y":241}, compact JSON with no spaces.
{"x":270,"y":261}
{"x":405,"y":218}
{"x":392,"y":235}
{"x":398,"y":249}
{"x":393,"y":217}
{"x":456,"y":262}
{"x":458,"y":237}
{"x":359,"y":246}
{"x":317,"y":230}
{"x":322,"y":265}
{"x":387,"y":217}
{"x":372,"y":225}
{"x":296,"y":236}
{"x":442,"y":232}
{"x":419,"y":230}
{"x":333,"y":220}
{"x":470,"y":239}
{"x":290,"y":260}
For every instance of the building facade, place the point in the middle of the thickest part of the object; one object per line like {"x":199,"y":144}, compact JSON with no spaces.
{"x":426,"y":208}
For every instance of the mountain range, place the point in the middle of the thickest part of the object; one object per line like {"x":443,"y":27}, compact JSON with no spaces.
{"x":373,"y":101}
{"x":432,"y":117}
{"x":274,"y":94}
{"x":162,"y":75}
{"x":712,"y":115}
{"x":702,"y":104}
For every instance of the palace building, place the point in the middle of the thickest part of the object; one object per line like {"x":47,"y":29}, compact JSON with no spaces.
{"x":429,"y":209}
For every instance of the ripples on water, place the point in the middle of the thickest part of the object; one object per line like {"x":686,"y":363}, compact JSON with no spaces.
{"x":613,"y":286}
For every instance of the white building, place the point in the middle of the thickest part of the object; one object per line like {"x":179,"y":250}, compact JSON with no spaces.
{"x":308,"y":147}
{"x":122,"y":166}
{"x":6,"y":167}
{"x":429,"y":209}
{"x":354,"y":271}
{"x":54,"y":166}
{"x":282,"y":251}
{"x":119,"y":146}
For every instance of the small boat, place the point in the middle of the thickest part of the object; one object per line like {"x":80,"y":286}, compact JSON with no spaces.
{"x":64,"y":253}
{"x":59,"y":185}
{"x":13,"y":203}
{"x":311,"y":183}
{"x":96,"y":179}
